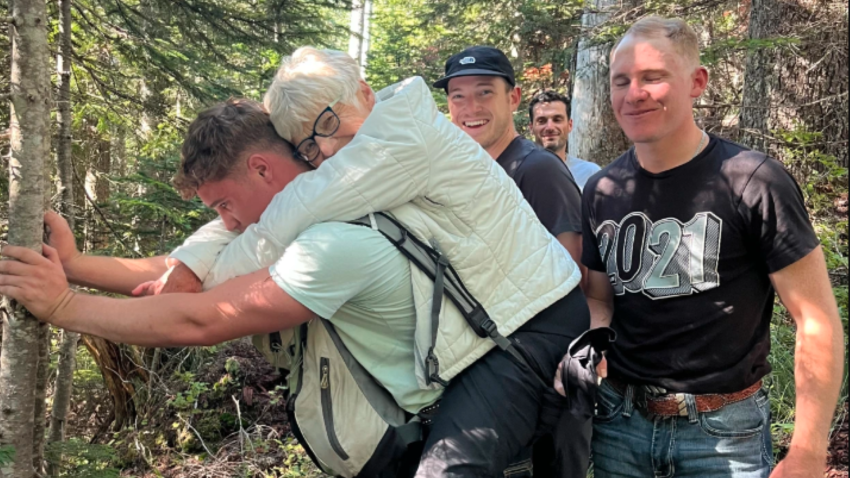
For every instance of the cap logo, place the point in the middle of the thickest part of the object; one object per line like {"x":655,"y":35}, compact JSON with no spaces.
{"x":467,"y":60}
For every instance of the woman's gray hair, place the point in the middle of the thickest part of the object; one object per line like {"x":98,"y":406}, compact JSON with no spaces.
{"x":306,"y":83}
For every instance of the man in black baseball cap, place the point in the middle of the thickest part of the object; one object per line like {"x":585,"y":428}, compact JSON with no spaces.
{"x":477,"y":60}
{"x":482,"y":98}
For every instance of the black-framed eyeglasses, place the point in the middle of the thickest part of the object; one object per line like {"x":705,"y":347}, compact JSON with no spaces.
{"x":324,"y":127}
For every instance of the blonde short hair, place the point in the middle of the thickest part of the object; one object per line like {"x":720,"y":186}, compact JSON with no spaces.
{"x":680,"y":34}
{"x":306,"y":83}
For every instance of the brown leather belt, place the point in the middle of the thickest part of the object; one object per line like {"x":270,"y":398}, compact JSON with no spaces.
{"x":674,"y":404}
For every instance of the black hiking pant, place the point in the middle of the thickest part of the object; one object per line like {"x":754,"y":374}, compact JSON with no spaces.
{"x":490,"y":412}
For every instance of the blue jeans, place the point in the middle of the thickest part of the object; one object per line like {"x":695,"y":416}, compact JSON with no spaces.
{"x":733,"y":442}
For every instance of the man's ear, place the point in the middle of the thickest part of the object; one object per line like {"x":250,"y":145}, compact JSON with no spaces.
{"x":259,"y":165}
{"x":699,"y":81}
{"x":367,"y":94}
{"x":516,"y":97}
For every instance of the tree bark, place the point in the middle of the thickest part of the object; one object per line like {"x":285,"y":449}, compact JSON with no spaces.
{"x":40,"y":399}
{"x":97,"y":188}
{"x":64,"y":163}
{"x":121,"y":371}
{"x":62,"y":391}
{"x":596,"y":136}
{"x":64,"y":384}
{"x":30,"y":144}
{"x":799,"y":81}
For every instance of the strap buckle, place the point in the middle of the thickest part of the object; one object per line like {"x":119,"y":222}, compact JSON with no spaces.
{"x":432,"y":369}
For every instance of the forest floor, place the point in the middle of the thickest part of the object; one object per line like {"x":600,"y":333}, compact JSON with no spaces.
{"x":206,"y":434}
{"x":228,"y":419}
{"x":837,"y":466}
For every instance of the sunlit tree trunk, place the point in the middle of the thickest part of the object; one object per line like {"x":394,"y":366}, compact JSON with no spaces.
{"x":68,"y":345}
{"x":359,"y":39}
{"x":30,"y":145}
{"x":596,"y":136}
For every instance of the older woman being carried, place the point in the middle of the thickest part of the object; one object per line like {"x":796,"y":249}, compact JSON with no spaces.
{"x":376,"y":152}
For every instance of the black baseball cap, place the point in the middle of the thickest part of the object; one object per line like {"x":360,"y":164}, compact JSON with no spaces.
{"x":477,"y":61}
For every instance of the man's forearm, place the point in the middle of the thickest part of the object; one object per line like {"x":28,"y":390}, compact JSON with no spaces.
{"x":600,"y":313}
{"x":114,"y":274}
{"x":247,"y":305}
{"x":600,"y":299}
{"x":818,"y":370}
{"x":157,"y":321}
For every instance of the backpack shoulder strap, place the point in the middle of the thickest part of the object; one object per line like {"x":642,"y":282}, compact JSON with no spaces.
{"x":435,"y":265}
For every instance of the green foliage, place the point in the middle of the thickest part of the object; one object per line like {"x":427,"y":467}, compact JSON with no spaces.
{"x":7,"y":455}
{"x":278,"y":395}
{"x":231,"y":365}
{"x":209,"y":50}
{"x":416,"y":37}
{"x":296,"y":464}
{"x":714,"y":52}
{"x":188,"y":399}
{"x":78,"y":459}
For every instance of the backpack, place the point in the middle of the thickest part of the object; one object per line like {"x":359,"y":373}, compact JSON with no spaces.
{"x":347,"y":422}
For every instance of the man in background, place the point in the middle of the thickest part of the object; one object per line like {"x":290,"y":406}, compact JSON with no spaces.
{"x":550,"y":122}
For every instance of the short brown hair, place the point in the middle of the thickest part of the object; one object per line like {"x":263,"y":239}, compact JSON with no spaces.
{"x":680,"y":34}
{"x":219,"y":138}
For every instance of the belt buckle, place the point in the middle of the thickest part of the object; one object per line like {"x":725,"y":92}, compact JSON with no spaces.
{"x":682,"y":404}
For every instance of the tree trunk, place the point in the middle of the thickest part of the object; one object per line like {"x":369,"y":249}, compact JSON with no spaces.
{"x":596,"y":136}
{"x":63,"y":386}
{"x":119,"y":152}
{"x":121,"y":371}
{"x":40,"y":398}
{"x":97,"y":188}
{"x":799,"y":81}
{"x":30,"y":144}
{"x":64,"y":163}
{"x":62,"y":391}
{"x":355,"y":38}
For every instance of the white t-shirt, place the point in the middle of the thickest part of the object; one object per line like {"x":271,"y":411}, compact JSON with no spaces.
{"x":582,"y":170}
{"x":354,"y":277}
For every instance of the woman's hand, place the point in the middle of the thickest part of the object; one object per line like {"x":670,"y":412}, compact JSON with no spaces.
{"x":36,"y":281}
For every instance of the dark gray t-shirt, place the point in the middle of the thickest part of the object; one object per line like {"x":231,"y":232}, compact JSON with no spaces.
{"x":546,"y":183}
{"x":688,"y":253}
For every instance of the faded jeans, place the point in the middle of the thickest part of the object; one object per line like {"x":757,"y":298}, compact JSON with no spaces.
{"x":733,"y":442}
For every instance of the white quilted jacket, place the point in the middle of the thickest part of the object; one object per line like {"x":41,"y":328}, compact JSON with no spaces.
{"x":411,"y":161}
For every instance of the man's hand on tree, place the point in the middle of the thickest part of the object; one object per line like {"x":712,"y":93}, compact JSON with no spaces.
{"x":178,"y":278}
{"x":36,"y":281}
{"x":60,"y":237}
